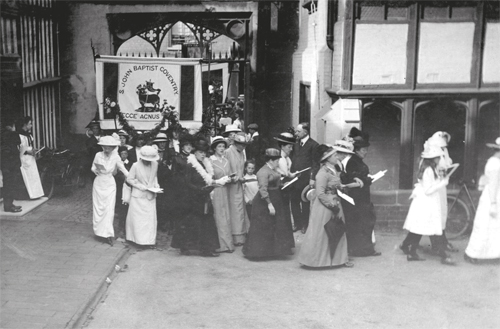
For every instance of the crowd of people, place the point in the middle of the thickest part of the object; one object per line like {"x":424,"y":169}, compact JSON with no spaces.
{"x":216,"y":193}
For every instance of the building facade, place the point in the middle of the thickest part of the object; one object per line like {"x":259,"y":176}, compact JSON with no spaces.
{"x":263,"y":33}
{"x":401,"y":70}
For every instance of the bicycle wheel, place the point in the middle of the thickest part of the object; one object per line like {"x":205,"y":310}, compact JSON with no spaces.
{"x":48,"y":183}
{"x":459,"y":217}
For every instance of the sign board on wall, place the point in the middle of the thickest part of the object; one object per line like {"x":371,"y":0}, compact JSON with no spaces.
{"x":143,"y":87}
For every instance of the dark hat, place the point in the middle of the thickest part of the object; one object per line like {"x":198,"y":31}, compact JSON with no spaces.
{"x":253,"y":126}
{"x":217,"y":140}
{"x":361,"y":139}
{"x":201,"y":145}
{"x":286,"y":138}
{"x":122,"y":148}
{"x":94,"y":123}
{"x":272,"y":153}
{"x":185,"y":138}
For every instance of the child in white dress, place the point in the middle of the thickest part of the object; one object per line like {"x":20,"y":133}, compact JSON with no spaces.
{"x":424,"y":215}
{"x":250,"y":187}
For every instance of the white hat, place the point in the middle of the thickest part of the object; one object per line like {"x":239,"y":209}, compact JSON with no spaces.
{"x":149,"y":153}
{"x":122,"y":133}
{"x":161,"y":137}
{"x":343,"y":146}
{"x":108,"y":141}
{"x":440,"y":139}
{"x":231,"y":129}
{"x":496,"y":145}
{"x":431,"y":151}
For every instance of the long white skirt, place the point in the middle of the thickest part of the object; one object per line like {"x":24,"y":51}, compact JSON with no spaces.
{"x":31,"y":177}
{"x":141,"y":221}
{"x":103,"y":201}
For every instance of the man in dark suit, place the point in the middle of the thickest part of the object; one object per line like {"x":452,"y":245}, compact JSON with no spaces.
{"x":10,"y":164}
{"x":303,"y":156}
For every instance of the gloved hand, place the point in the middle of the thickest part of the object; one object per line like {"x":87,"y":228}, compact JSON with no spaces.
{"x":223,"y":180}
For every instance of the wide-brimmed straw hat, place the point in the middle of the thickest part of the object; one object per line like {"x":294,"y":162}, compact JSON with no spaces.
{"x":343,"y":147}
{"x":308,"y":194}
{"x":240,"y":139}
{"x":108,"y":141}
{"x":272,"y":153}
{"x":431,"y":151}
{"x":149,"y":153}
{"x":160,"y":137}
{"x":93,"y":123}
{"x":216,"y":141}
{"x":231,"y":129}
{"x":122,"y":132}
{"x":328,"y":153}
{"x":286,"y":138}
{"x":496,"y":145}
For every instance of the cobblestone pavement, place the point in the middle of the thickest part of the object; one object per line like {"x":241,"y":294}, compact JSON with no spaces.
{"x":51,"y":263}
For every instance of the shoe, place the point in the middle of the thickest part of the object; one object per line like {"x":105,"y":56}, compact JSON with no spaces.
{"x":17,"y":207}
{"x":239,"y":244}
{"x":414,"y":258}
{"x":110,"y":241}
{"x":376,"y":253}
{"x":209,"y":254}
{"x":405,"y":249}
{"x":13,"y":209}
{"x":447,"y":261}
{"x":470,"y":259}
{"x":186,"y":253}
{"x":349,"y":264}
{"x":451,"y":248}
{"x":296,"y":228}
{"x":303,"y":230}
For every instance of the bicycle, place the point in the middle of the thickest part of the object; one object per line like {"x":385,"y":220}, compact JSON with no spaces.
{"x":460,"y":213}
{"x":63,"y":168}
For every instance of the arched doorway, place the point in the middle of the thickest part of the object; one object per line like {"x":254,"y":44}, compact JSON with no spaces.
{"x":441,"y":115}
{"x":382,"y":121}
{"x":489,"y":130}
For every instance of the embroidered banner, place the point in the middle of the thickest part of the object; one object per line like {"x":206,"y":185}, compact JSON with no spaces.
{"x":143,"y":87}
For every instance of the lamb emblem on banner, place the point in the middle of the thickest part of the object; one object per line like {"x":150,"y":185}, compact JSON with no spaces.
{"x":148,"y":97}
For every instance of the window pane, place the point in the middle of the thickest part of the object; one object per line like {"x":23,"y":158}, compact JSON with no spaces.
{"x":380,"y":54}
{"x":397,"y":13}
{"x":491,"y":61}
{"x":372,"y":12}
{"x":435,"y":12}
{"x":445,"y":52}
{"x":462,"y":13}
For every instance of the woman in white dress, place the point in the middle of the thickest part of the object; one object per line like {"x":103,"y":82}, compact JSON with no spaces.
{"x":105,"y":165}
{"x":29,"y":168}
{"x":484,"y":241}
{"x":424,"y":215}
{"x":141,"y":217}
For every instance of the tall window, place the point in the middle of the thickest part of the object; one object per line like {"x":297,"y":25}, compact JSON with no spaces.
{"x":305,"y":102}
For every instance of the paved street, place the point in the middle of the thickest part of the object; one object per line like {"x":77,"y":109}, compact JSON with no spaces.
{"x":51,"y":264}
{"x":53,"y":274}
{"x":162,"y":289}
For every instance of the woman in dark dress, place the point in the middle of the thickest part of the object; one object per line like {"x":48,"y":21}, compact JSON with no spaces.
{"x":360,"y":217}
{"x":197,"y":230}
{"x":270,"y":234}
